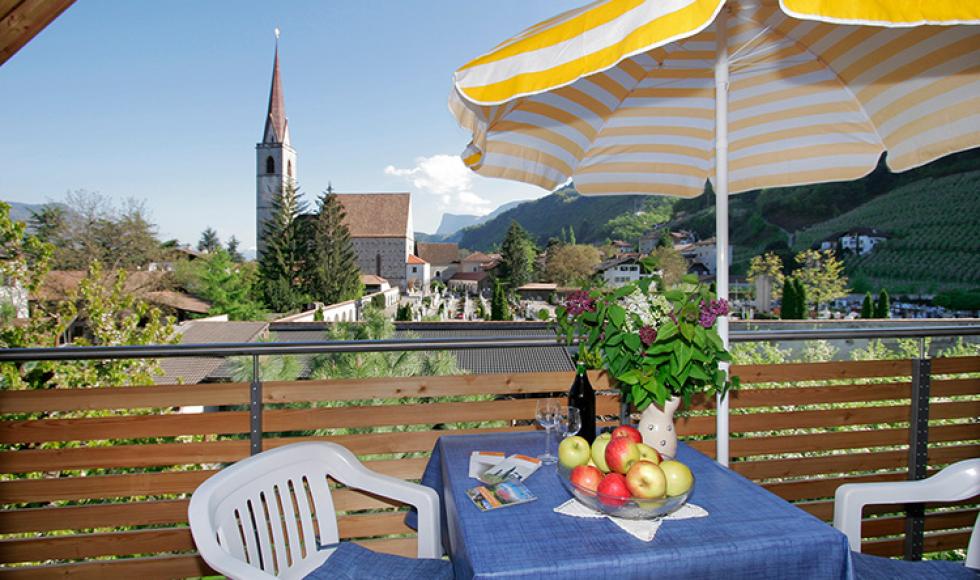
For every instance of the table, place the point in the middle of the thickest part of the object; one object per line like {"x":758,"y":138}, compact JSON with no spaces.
{"x":750,"y":533}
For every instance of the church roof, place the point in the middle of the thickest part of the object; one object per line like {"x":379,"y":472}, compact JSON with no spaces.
{"x":438,"y":253}
{"x":376,"y":215}
{"x":276,"y":124}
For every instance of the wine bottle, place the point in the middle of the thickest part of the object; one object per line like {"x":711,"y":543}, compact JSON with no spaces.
{"x":582,"y":397}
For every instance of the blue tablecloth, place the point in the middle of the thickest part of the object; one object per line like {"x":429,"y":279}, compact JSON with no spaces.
{"x":750,"y":533}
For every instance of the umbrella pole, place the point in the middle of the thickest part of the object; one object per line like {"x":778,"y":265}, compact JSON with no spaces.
{"x":721,"y":210}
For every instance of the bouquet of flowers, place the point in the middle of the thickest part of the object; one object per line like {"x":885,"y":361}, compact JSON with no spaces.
{"x":656,"y":345}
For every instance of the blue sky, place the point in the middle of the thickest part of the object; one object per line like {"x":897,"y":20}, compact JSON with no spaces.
{"x":164,"y":102}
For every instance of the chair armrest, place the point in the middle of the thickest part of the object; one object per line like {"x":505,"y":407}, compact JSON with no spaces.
{"x":956,"y":482}
{"x":423,"y":498}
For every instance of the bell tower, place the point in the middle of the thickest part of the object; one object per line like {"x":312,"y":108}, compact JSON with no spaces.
{"x":275,"y":159}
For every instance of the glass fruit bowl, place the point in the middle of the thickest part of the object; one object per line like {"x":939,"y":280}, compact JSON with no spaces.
{"x":631,"y":508}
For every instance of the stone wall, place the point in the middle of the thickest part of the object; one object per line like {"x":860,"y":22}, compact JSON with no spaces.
{"x":393,"y":254}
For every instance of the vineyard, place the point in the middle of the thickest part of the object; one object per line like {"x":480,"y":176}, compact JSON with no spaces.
{"x":934,"y":235}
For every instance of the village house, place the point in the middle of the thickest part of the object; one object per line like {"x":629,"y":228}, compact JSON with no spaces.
{"x":443,"y":259}
{"x":860,"y":241}
{"x":417,"y":273}
{"x":620,"y":270}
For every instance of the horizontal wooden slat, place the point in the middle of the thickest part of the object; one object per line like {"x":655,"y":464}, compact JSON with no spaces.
{"x":821,"y":371}
{"x":953,"y":365}
{"x":371,"y":525}
{"x":101,"y":487}
{"x":776,"y":397}
{"x":346,"y":500}
{"x":934,"y":542}
{"x":959,"y":410}
{"x":954,"y":387}
{"x":144,"y":397}
{"x":407,"y":547}
{"x":152,"y":568}
{"x":123,"y":427}
{"x":116,"y":456}
{"x":749,"y":446}
{"x":405,"y":387}
{"x":952,"y":453}
{"x":843,"y":463}
{"x":751,"y":422}
{"x":825,"y":509}
{"x":825,"y":487}
{"x":102,"y":544}
{"x":138,"y":513}
{"x":889,"y":526}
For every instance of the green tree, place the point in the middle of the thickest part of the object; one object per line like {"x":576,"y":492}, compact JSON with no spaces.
{"x":209,"y":241}
{"x":499,"y":309}
{"x":822,"y":275}
{"x":282,"y":257}
{"x":768,"y":264}
{"x":567,"y":264}
{"x":867,"y":308}
{"x":672,"y":265}
{"x":787,"y":310}
{"x":802,"y":305}
{"x":331,"y":273}
{"x":518,"y":256}
{"x":883,"y":305}
{"x":571,"y":234}
{"x":228,"y":286}
{"x":232,"y":249}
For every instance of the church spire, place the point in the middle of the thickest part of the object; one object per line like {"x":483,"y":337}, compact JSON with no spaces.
{"x":276,"y":124}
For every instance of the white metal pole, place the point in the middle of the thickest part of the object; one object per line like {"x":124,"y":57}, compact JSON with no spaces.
{"x":721,"y":208}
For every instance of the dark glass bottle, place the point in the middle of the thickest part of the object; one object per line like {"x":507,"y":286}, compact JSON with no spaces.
{"x":582,"y":397}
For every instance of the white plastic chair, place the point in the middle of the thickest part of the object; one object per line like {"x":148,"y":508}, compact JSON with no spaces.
{"x":268,"y":516}
{"x":957,"y":482}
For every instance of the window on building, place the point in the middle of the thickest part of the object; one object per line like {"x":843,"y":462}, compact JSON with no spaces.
{"x":377,"y":264}
{"x":270,"y":164}
{"x":289,"y":169}
{"x":415,"y":269}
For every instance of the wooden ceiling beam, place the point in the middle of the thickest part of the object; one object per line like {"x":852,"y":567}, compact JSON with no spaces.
{"x":22,"y":20}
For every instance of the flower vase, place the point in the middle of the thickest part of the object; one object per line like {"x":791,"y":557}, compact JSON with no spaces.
{"x":657,"y":427}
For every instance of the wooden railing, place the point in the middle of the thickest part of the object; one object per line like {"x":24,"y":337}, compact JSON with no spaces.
{"x":91,"y":474}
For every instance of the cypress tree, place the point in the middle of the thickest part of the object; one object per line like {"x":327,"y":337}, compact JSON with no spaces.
{"x":802,"y":311}
{"x":571,"y":235}
{"x":883,"y":305}
{"x":498,"y":303}
{"x":867,"y":310}
{"x":788,"y":307}
{"x":280,"y":261}
{"x":330,"y":272}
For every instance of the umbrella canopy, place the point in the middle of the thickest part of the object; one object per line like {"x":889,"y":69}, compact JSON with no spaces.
{"x":658,"y":96}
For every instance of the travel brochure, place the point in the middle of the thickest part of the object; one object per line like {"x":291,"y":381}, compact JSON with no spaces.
{"x":504,"y":476}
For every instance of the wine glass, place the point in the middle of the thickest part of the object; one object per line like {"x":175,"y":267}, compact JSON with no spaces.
{"x":571,"y":421}
{"x":548,"y":415}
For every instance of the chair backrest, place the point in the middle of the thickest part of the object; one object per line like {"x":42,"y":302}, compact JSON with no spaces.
{"x":956,"y":482}
{"x":269,"y":512}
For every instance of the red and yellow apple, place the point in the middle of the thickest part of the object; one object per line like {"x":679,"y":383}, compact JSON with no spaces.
{"x":599,"y":451}
{"x":621,"y":454}
{"x":574,"y":451}
{"x":649,"y":453}
{"x":679,"y":478}
{"x":612,"y":490}
{"x":586,"y":477}
{"x":646,"y":480}
{"x":628,"y":431}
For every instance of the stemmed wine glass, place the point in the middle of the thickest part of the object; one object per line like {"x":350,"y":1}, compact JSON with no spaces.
{"x":548,"y":414}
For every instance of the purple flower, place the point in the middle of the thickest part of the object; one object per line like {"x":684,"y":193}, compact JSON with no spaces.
{"x":579,"y":302}
{"x":648,"y":334}
{"x":710,"y":311}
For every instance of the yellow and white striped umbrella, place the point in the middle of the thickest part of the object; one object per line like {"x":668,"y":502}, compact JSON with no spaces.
{"x":620,"y":95}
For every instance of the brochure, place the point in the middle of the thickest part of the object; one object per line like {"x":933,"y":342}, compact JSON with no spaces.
{"x":503,"y":494}
{"x":480,"y":461}
{"x":517,"y":467}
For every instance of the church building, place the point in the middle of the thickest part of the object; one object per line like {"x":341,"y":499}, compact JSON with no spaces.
{"x":380,"y":224}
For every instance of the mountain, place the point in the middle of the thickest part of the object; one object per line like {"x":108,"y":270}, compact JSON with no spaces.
{"x":22,"y":212}
{"x":452,"y":223}
{"x":564,"y":208}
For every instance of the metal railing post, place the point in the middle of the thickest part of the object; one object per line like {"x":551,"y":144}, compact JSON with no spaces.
{"x":255,"y":409}
{"x":918,"y":454}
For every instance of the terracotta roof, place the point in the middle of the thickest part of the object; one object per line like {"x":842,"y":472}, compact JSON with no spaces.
{"x":275,"y":122}
{"x":376,"y":215}
{"x":193,"y":370}
{"x":149,"y":286}
{"x":437,"y":253}
{"x":468,"y":276}
{"x":372,"y":280}
{"x":477,"y":257}
{"x":177,"y":301}
{"x":413,"y":259}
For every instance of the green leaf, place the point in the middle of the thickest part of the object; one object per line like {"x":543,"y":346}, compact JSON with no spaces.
{"x":632,"y":341}
{"x":715,"y":340}
{"x":683,"y":355}
{"x":690,"y":279}
{"x":674,"y":295}
{"x":687,"y":332}
{"x":617,"y":315}
{"x":698,"y":373}
{"x":614,"y":339}
{"x":630,"y":377}
{"x":699,"y":337}
{"x":666,"y":331}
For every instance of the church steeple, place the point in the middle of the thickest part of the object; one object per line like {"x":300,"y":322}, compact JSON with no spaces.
{"x":276,"y":124}
{"x":275,"y":158}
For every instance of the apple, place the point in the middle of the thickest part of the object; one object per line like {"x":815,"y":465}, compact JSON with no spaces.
{"x":628,"y":431}
{"x":679,"y":478}
{"x":646,"y":480}
{"x":649,"y":453}
{"x":574,"y":451}
{"x":599,"y":451}
{"x":621,"y":454}
{"x":612,"y":490}
{"x":586,"y":477}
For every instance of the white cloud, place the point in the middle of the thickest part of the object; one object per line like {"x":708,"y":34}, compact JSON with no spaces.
{"x":448,"y":179}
